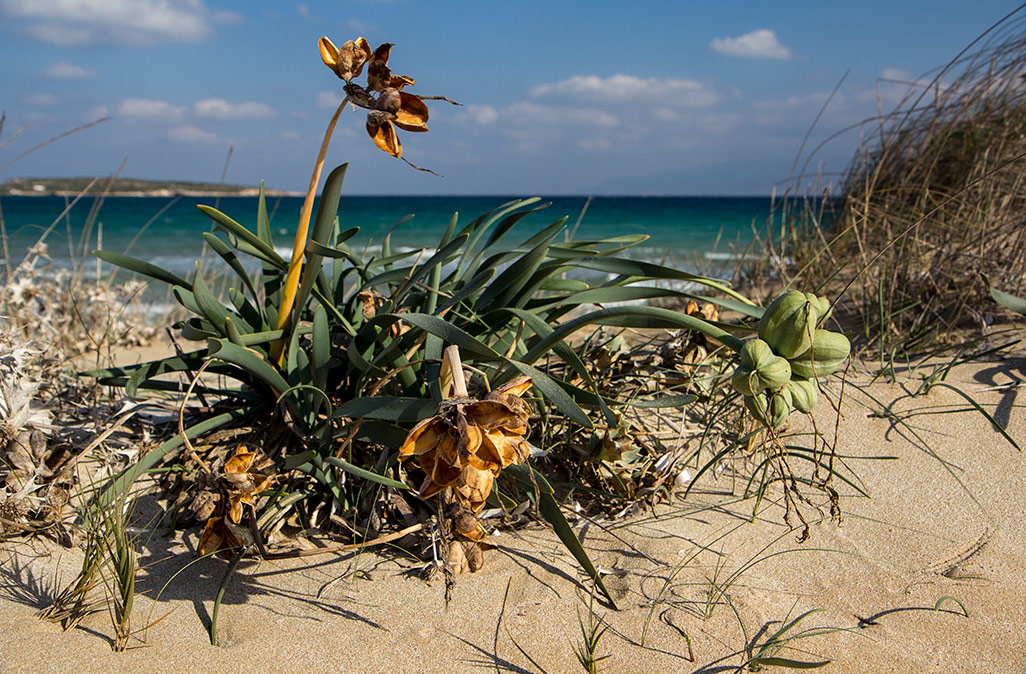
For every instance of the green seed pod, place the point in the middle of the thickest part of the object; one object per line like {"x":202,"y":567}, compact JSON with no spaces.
{"x":788,"y":323}
{"x":829,"y":350}
{"x":822,"y":308}
{"x":804,"y":394}
{"x":770,"y":408}
{"x":741,"y":380}
{"x":770,"y":370}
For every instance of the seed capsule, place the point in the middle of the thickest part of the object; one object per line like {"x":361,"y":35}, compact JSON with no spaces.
{"x":788,"y":323}
{"x":804,"y":394}
{"x":829,"y":350}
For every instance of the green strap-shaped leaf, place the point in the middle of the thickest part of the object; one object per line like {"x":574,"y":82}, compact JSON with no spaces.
{"x":229,"y":256}
{"x":550,"y":510}
{"x":227,"y":224}
{"x":1017,"y":304}
{"x":554,"y":393}
{"x":509,"y":284}
{"x":679,"y":400}
{"x":153,"y":457}
{"x":247,"y":310}
{"x":569,"y":356}
{"x":320,"y":349}
{"x":141,"y":267}
{"x":209,"y":306}
{"x":480,"y":225}
{"x":248,"y":360}
{"x":387,"y":408}
{"x":449,"y":333}
{"x":187,"y":299}
{"x":365,"y":474}
{"x":379,"y":432}
{"x":635,"y":316}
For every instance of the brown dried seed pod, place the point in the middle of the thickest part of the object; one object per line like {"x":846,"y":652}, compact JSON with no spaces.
{"x":464,"y":522}
{"x":474,"y":555}
{"x":458,"y":557}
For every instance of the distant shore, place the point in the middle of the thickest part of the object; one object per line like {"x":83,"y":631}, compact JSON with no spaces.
{"x":129,"y":187}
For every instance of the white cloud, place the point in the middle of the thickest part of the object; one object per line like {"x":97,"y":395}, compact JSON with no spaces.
{"x":128,"y":22}
{"x":190,"y":134}
{"x":328,"y":99}
{"x":218,"y":108}
{"x":628,"y":88}
{"x":63,"y":70}
{"x":528,"y":113}
{"x":142,"y":108}
{"x":482,"y":114}
{"x":44,"y":100}
{"x":896,"y":74}
{"x":99,"y":111}
{"x":761,"y":43}
{"x":303,"y":9}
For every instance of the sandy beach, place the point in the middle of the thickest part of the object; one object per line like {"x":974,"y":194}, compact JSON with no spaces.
{"x":877,"y":575}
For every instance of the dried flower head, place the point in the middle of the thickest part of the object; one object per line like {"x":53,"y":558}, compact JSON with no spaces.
{"x":387,"y":105}
{"x":469,"y":442}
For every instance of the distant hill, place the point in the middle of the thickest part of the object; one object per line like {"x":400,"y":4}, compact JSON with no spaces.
{"x":127,"y":187}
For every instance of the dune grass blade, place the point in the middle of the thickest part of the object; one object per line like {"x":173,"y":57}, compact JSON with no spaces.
{"x":550,"y":510}
{"x":982,"y":411}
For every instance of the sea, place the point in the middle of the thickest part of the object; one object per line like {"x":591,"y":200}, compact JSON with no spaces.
{"x":697,"y":234}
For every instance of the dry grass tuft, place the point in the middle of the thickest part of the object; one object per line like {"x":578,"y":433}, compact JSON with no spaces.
{"x":933,"y":199}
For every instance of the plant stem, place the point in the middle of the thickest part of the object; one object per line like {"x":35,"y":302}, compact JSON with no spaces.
{"x":459,"y":382}
{"x":296,"y":263}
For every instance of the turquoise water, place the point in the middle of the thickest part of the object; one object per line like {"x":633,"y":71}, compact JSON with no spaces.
{"x":694,"y":233}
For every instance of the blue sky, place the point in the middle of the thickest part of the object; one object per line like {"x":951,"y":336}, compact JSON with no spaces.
{"x":595,"y":97}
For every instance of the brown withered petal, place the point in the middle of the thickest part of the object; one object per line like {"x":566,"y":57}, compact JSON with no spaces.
{"x":329,"y":52}
{"x":384,"y":137}
{"x":400,"y":81}
{"x":379,"y":75}
{"x":439,"y":471}
{"x":516,"y":404}
{"x":372,"y":301}
{"x":508,"y":448}
{"x":249,"y":472}
{"x":493,"y":414}
{"x":212,"y":537}
{"x":473,"y":438}
{"x":473,"y":487}
{"x":223,"y":537}
{"x":235,"y":514}
{"x":412,"y":114}
{"x":424,"y":436}
{"x":429,"y":488}
{"x":448,"y":449}
{"x":490,"y":455}
{"x":516,"y":386}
